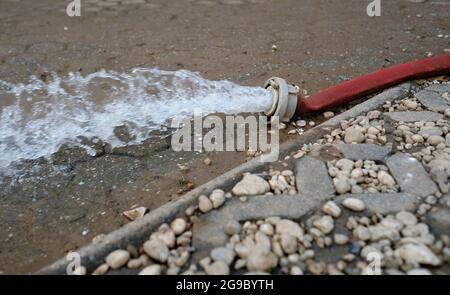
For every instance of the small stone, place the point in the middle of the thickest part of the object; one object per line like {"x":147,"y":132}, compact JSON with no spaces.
{"x":251,"y":185}
{"x":418,"y":254}
{"x":117,"y":258}
{"x":328,"y":115}
{"x":207,"y":161}
{"x":345,"y":164}
{"x":341,"y":185}
{"x":385,"y":178}
{"x":204,"y":204}
{"x":285,"y":226}
{"x":223,"y":254}
{"x":261,"y":260}
{"x":416,"y":230}
{"x":354,"y":134}
{"x":189,"y":211}
{"x":134,"y":263}
{"x":340,"y":239}
{"x":157,"y":250}
{"x":332,"y":209}
{"x":373,"y":131}
{"x":435,"y":140}
{"x":101,"y":270}
{"x":361,"y":233}
{"x":406,"y":218}
{"x":410,"y":104}
{"x":357,"y":173}
{"x":288,"y":243}
{"x":267,"y":229}
{"x":178,"y":226}
{"x":417,"y":138}
{"x":217,"y":268}
{"x":325,"y":224}
{"x":151,"y":270}
{"x":379,"y":232}
{"x":232,"y":227}
{"x":296,"y":271}
{"x":301,"y":123}
{"x":165,"y":235}
{"x":392,"y":222}
{"x":354,"y":204}
{"x":136,"y":213}
{"x":217,"y":198}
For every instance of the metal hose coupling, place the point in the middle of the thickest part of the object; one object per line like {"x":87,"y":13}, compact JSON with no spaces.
{"x":284,"y":99}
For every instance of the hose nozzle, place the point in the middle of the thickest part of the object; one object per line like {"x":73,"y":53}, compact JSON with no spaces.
{"x":284,"y":99}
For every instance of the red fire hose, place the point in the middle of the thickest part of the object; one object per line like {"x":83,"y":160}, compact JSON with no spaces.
{"x":286,"y":103}
{"x":368,"y":84}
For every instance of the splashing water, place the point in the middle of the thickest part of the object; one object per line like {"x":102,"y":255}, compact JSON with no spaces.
{"x":38,"y":117}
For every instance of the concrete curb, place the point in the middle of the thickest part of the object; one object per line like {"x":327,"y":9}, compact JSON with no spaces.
{"x":138,"y":231}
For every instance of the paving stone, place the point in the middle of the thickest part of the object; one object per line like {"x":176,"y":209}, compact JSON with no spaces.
{"x":208,"y":231}
{"x":440,"y":88}
{"x":414,"y":116}
{"x":410,"y":175}
{"x":384,"y":203}
{"x":363,"y":152}
{"x":432,"y":100}
{"x":312,"y":178}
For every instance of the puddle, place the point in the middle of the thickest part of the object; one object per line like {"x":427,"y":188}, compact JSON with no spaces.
{"x":38,"y":117}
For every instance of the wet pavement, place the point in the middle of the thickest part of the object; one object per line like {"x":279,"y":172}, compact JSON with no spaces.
{"x":313,"y":43}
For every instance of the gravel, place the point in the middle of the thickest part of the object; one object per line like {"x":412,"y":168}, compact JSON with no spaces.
{"x":251,"y":185}
{"x":332,"y":209}
{"x":325,"y":224}
{"x":152,"y":270}
{"x":157,"y":250}
{"x":354,"y":204}
{"x":360,"y":176}
{"x":204,"y":204}
{"x":117,"y":258}
{"x":178,"y":226}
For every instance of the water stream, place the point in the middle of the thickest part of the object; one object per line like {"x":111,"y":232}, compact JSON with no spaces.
{"x":36,"y":118}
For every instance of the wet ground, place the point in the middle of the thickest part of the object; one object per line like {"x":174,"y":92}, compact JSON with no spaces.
{"x":318,"y":43}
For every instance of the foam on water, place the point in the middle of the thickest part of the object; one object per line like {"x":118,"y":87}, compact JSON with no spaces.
{"x":38,"y":117}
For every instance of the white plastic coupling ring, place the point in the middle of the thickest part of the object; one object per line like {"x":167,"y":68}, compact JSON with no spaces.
{"x":284,"y":99}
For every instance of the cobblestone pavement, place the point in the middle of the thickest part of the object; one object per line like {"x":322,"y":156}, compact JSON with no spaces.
{"x":370,"y":197}
{"x":315,"y":43}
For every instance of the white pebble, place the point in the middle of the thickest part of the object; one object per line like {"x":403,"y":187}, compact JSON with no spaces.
{"x":152,"y":270}
{"x":117,"y":258}
{"x":178,"y":226}
{"x":204,"y":204}
{"x":332,"y":209}
{"x":354,"y":204}
{"x":217,"y":198}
